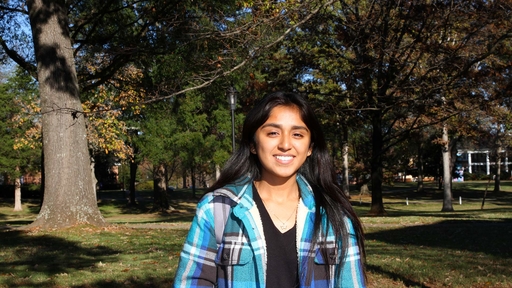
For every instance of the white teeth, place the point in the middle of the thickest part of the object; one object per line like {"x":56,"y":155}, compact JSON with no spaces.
{"x":284,"y":158}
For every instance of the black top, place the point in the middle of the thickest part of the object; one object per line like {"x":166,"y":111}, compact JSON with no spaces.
{"x":282,"y":262}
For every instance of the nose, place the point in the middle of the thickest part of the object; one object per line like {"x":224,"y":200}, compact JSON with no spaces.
{"x":285,"y":142}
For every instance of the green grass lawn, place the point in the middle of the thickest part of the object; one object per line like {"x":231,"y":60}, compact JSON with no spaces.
{"x":414,"y":245}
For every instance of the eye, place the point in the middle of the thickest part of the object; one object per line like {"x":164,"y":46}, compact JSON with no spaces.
{"x":272,"y":133}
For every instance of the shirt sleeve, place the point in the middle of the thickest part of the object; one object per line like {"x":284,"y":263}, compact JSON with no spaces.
{"x":196,"y":266}
{"x":352,"y":274}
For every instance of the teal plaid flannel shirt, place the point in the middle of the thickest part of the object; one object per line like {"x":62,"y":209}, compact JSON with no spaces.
{"x":239,"y":260}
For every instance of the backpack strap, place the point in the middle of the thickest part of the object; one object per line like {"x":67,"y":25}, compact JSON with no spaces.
{"x":221,"y":209}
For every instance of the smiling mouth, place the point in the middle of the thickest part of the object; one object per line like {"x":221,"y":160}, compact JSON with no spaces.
{"x":284,"y":158}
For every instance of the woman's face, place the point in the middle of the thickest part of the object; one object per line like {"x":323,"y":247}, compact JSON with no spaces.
{"x":283,"y":143}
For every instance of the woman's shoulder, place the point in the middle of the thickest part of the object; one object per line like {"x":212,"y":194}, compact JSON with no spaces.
{"x":227,"y":194}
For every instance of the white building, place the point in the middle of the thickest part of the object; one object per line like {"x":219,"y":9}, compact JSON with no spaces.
{"x":478,"y":161}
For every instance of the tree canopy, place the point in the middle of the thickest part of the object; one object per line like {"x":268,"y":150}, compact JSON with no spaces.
{"x":378,"y":73}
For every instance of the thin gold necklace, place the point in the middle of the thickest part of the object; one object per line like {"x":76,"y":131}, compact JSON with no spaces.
{"x":284,"y":224}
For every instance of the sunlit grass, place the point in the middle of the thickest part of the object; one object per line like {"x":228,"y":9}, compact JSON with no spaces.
{"x":445,"y":254}
{"x":413,"y":245}
{"x":90,"y":257}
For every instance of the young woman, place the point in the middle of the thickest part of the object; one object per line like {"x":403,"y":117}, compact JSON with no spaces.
{"x":275,"y":217}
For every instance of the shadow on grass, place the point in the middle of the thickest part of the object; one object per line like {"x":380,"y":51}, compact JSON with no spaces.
{"x":32,"y":204}
{"x":111,"y":203}
{"x":395,"y":276}
{"x":489,"y":237}
{"x":151,"y":282}
{"x":459,"y":245}
{"x":24,"y":255}
{"x":10,"y":217}
{"x":145,"y":199}
{"x":115,"y":208}
{"x":88,"y":257}
{"x":122,"y":206}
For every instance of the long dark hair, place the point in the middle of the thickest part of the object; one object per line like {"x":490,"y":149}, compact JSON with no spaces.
{"x":317,"y":169}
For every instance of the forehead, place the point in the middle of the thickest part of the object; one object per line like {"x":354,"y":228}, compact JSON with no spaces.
{"x":285,"y":117}
{"x":285,"y":113}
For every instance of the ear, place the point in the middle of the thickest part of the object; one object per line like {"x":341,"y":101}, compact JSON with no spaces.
{"x":253,"y":149}
{"x":310,"y":150}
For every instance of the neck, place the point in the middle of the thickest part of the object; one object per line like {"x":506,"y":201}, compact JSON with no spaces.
{"x":278,"y":192}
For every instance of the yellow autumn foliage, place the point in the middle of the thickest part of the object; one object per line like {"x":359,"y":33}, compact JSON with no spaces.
{"x":105,"y":129}
{"x":29,"y":113}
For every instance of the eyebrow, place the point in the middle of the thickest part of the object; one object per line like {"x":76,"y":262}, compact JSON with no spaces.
{"x":275,"y":125}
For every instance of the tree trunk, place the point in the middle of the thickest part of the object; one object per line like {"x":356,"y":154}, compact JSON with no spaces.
{"x":42,"y":179}
{"x":363,"y":190}
{"x":160,"y":201}
{"x":439,"y":174}
{"x":447,"y":175}
{"x":69,"y":197}
{"x":168,"y":175}
{"x":345,"y":186}
{"x":93,"y":177}
{"x":420,"y":167}
{"x":453,"y":159}
{"x":17,"y":192}
{"x":217,"y":172}
{"x":377,"y":206}
{"x":133,"y":178}
{"x":497,"y":176}
{"x":193,"y":180}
